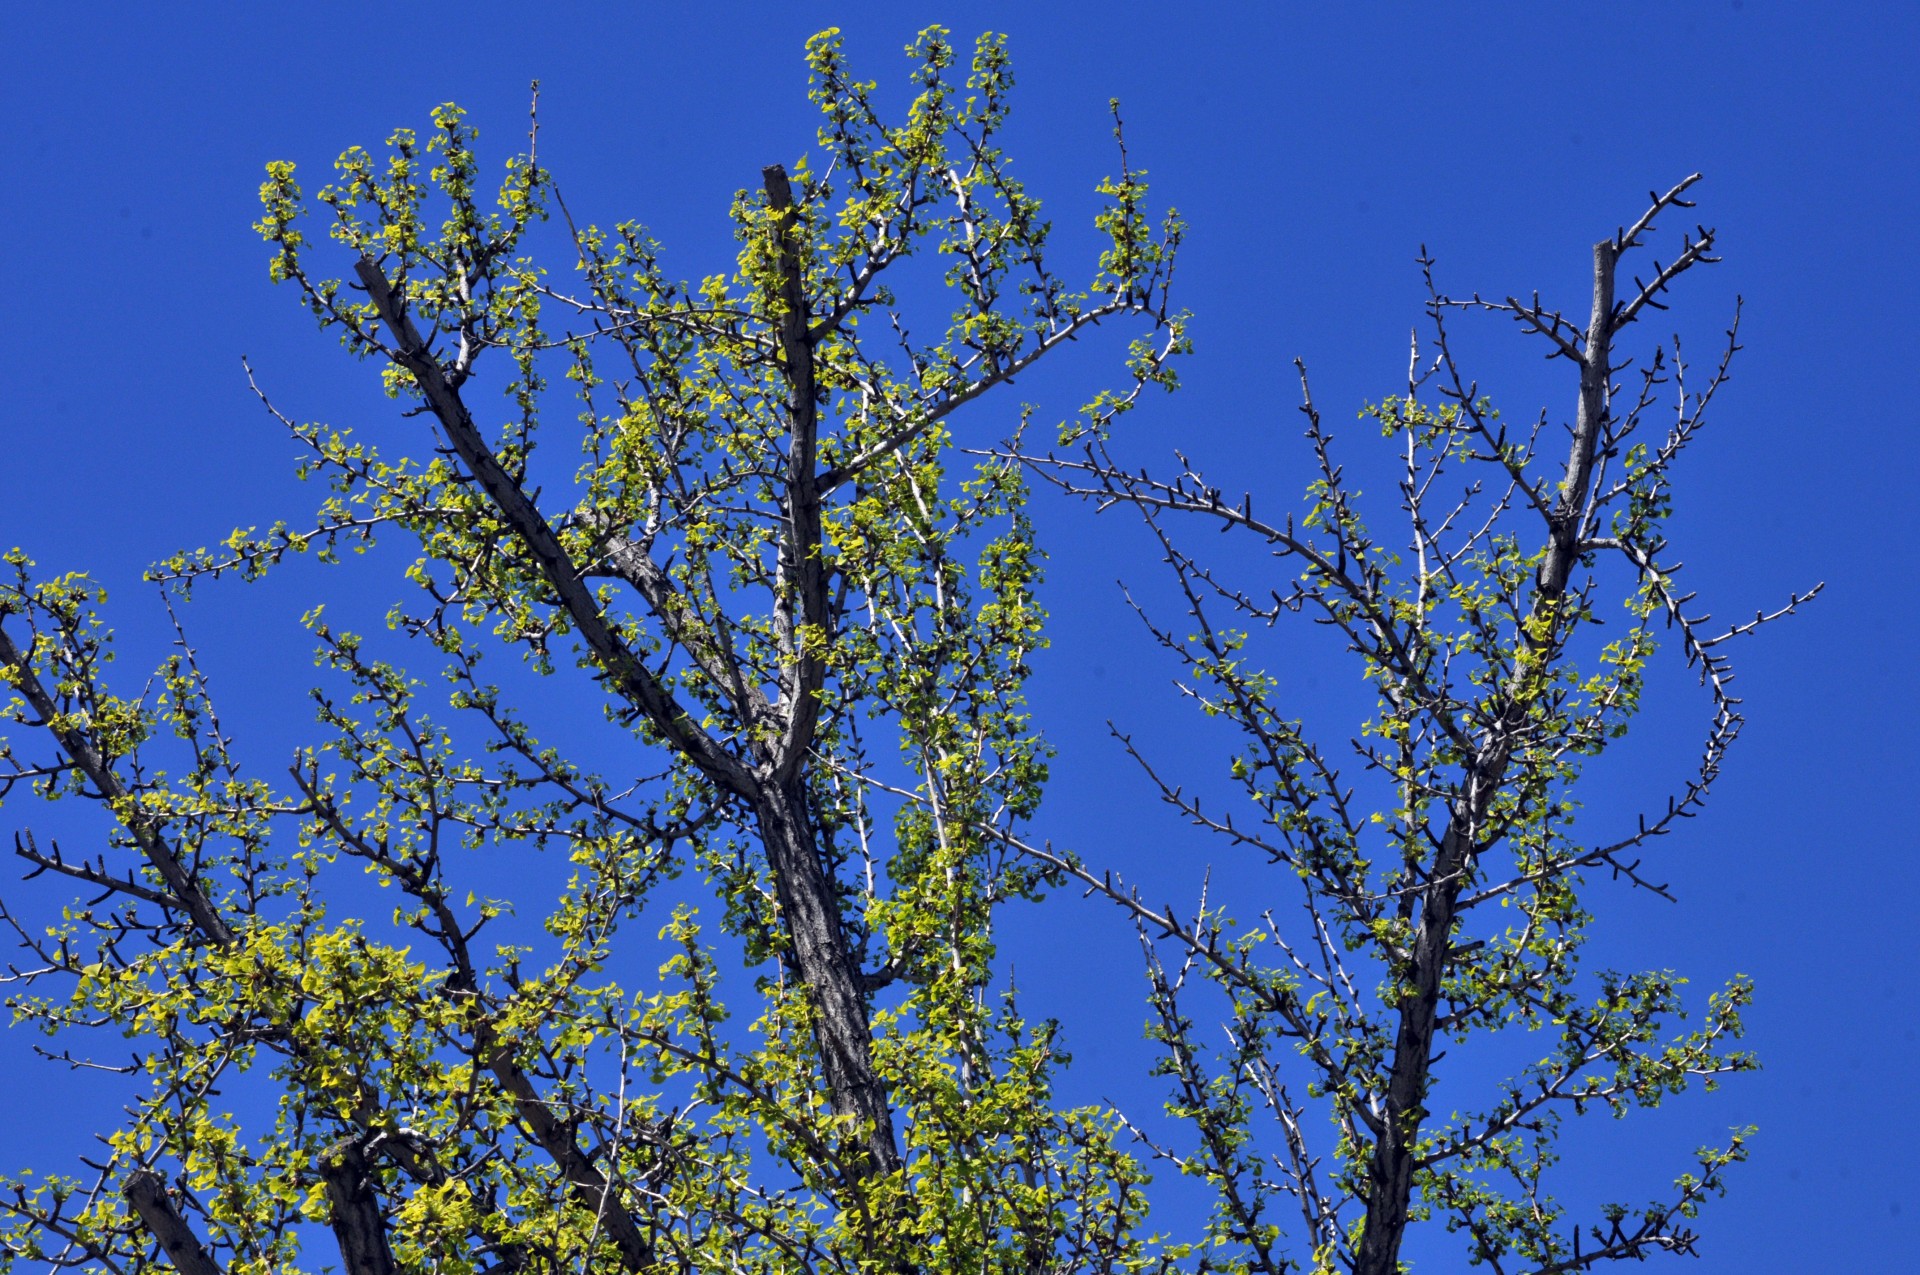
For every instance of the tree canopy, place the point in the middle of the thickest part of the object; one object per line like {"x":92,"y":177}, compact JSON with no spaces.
{"x":792,"y":562}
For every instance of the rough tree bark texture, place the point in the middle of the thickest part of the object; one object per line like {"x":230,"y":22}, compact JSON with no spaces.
{"x":147,"y":1193}
{"x":359,"y":1224}
{"x":809,"y":904}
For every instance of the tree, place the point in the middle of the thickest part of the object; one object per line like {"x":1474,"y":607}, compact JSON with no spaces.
{"x":768,"y":572}
{"x":1477,"y":632}
{"x":808,"y":614}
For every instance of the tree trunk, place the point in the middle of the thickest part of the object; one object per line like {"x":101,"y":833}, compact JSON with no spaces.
{"x":1390,"y":1173}
{"x":808,"y":900}
{"x":359,"y":1224}
{"x":822,"y":958}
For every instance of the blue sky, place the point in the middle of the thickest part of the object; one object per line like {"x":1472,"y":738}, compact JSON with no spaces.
{"x":1313,"y":151}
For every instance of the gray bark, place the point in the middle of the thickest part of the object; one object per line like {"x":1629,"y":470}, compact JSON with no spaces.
{"x":1391,"y":1171}
{"x":821,"y":955}
{"x":809,"y":904}
{"x":773,"y":791}
{"x":628,"y":673}
{"x":359,"y":1226}
{"x":556,"y":1137}
{"x":146,"y":1191}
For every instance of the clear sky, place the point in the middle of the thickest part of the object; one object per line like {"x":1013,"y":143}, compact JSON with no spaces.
{"x":1313,"y":149}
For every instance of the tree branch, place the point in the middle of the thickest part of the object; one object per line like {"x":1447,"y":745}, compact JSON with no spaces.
{"x":635,"y":681}
{"x":146,"y":1191}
